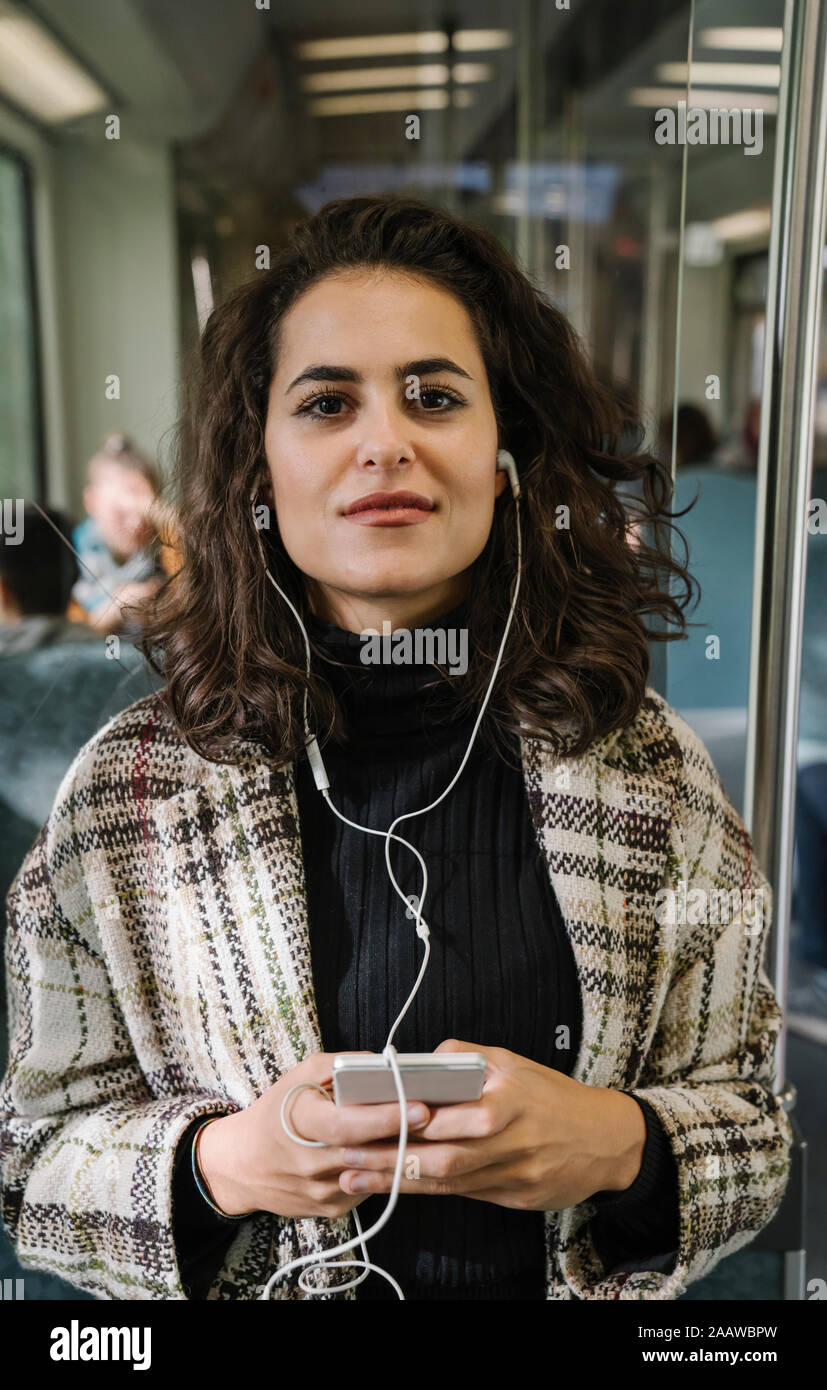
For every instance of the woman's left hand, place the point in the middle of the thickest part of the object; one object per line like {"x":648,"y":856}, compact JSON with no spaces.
{"x":535,"y":1140}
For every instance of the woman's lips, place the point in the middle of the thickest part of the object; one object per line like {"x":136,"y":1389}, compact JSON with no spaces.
{"x":399,"y":508}
{"x":390,"y":516}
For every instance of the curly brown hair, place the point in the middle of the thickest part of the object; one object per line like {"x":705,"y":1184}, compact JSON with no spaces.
{"x":231,"y":652}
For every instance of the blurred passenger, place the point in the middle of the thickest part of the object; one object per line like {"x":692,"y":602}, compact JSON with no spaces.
{"x":36,"y":579}
{"x":48,"y":706}
{"x":117,"y":543}
{"x":696,"y":439}
{"x":59,"y":681}
{"x":164,"y":517}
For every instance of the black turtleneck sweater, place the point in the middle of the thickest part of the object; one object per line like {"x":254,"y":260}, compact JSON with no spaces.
{"x":502,"y":972}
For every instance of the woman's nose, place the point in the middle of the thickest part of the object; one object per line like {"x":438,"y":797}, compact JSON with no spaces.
{"x":384,"y":441}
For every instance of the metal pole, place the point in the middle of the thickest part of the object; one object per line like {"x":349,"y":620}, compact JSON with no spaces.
{"x":451,"y":151}
{"x":529,"y":105}
{"x":785,"y":467}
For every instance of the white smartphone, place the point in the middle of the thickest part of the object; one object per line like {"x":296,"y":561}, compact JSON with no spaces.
{"x":436,"y":1078}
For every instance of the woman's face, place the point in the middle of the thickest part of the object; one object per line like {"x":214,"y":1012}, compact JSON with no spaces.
{"x":380,"y":388}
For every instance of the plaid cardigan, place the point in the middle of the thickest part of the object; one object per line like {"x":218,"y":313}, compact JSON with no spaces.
{"x":159,"y":969}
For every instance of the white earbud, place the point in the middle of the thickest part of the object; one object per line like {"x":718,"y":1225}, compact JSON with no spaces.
{"x":506,"y":464}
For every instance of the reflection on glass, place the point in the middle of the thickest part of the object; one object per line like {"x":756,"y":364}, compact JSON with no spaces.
{"x":19,"y":430}
{"x":808,"y":962}
{"x":710,"y":426}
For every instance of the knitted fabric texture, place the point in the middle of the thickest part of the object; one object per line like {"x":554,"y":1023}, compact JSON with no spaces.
{"x":158,"y":967}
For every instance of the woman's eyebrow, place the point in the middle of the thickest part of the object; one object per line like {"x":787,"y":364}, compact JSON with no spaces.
{"x":422,"y":366}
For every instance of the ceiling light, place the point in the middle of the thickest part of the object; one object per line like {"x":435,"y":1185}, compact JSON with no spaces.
{"x":367,"y":103}
{"x":372,"y":46}
{"x":38,"y":75}
{"x":424,"y":74}
{"x":703,"y":97}
{"x":394,"y":45}
{"x":743,"y":39}
{"x":726,"y":74}
{"x":481,"y":40}
{"x":739,"y":226}
{"x":472,"y":72}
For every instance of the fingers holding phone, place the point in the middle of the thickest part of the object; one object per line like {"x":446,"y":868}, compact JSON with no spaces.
{"x":251,"y":1164}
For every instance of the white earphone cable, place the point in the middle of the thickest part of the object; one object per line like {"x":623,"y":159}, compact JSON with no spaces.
{"x":315,"y":1261}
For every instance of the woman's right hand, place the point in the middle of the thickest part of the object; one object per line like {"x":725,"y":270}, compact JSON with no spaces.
{"x":111,"y":617}
{"x":250,"y":1163}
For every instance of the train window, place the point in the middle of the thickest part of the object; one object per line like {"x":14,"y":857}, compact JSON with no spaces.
{"x":20,"y":437}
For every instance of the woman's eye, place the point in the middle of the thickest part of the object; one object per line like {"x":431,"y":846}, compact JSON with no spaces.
{"x":325,"y":405}
{"x":328,"y":405}
{"x":443,"y":400}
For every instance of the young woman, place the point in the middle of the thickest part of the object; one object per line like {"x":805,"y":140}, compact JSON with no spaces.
{"x":195,"y":931}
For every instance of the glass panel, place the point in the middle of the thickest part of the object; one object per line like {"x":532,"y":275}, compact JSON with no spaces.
{"x":19,"y":431}
{"x":709,"y":429}
{"x":545,"y":135}
{"x":807,"y":981}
